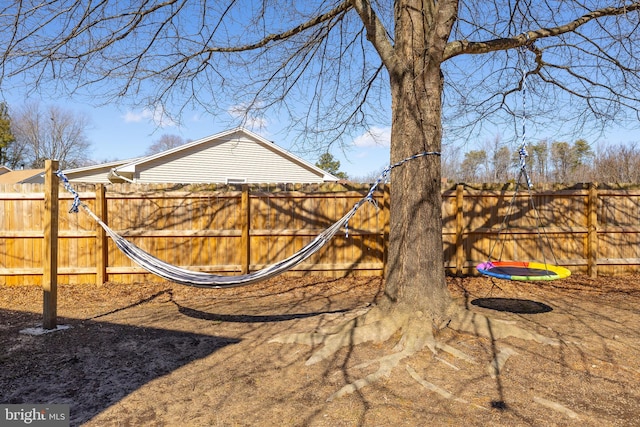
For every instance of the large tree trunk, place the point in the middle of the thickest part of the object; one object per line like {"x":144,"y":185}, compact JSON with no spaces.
{"x":415,"y":275}
{"x":416,"y":300}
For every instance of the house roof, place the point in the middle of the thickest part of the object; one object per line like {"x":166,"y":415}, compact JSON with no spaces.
{"x":94,"y":173}
{"x":112,"y":164}
{"x":20,"y":176}
{"x":133,"y":165}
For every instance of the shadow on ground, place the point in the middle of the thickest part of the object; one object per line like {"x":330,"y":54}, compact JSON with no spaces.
{"x":512,"y":305}
{"x":92,"y":365}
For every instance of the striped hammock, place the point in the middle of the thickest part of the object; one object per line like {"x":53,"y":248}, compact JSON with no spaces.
{"x":206,"y":280}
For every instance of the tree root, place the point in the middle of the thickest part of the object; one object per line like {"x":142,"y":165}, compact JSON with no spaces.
{"x":417,"y":334}
{"x":483,"y":326}
{"x":436,"y":389}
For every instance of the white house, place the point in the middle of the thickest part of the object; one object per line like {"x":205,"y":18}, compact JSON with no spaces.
{"x":233,"y":156}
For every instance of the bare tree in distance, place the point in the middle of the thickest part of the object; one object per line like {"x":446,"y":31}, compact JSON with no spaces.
{"x":618,"y":164}
{"x":474,"y":166}
{"x":338,"y":67}
{"x":368,"y":178}
{"x":563,"y":163}
{"x":165,"y":142}
{"x":539,"y":161}
{"x":50,"y":132}
{"x":502,"y":160}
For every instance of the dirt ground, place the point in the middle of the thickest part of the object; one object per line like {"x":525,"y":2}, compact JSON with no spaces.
{"x":162,"y":354}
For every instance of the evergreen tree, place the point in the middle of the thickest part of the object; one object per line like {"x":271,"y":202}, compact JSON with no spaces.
{"x":330,"y":164}
{"x":6,"y":136}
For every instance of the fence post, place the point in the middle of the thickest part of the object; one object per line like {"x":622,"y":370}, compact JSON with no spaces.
{"x":459,"y":229}
{"x":50,"y":270}
{"x":245,"y":220}
{"x":101,"y":236}
{"x":592,"y":233}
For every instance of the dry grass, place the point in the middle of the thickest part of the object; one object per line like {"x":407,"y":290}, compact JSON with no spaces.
{"x":161,"y":354}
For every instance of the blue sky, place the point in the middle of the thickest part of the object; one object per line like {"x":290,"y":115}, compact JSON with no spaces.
{"x":120,"y":131}
{"x":123,"y":132}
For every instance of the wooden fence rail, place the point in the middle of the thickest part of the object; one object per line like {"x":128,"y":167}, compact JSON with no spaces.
{"x":589,"y":229}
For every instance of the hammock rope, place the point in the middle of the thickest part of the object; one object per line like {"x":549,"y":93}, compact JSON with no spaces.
{"x":201,"y":279}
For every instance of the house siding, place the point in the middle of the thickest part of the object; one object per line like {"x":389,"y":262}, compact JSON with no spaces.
{"x":93,"y":176}
{"x":236,"y":157}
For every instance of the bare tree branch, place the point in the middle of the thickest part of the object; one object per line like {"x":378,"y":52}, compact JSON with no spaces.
{"x":459,"y":47}
{"x":592,"y":60}
{"x":376,"y":32}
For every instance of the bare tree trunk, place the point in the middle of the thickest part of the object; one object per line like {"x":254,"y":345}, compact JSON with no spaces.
{"x":415,"y":278}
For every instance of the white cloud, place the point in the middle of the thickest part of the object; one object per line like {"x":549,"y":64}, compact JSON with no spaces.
{"x":374,"y":137}
{"x":132,"y":117}
{"x":196,"y":118}
{"x":157,"y":116}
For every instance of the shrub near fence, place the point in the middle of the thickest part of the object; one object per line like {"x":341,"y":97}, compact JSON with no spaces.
{"x":230,"y":230}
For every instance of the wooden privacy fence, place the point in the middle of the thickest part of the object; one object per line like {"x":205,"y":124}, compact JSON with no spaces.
{"x":233,"y":230}
{"x":228,"y":231}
